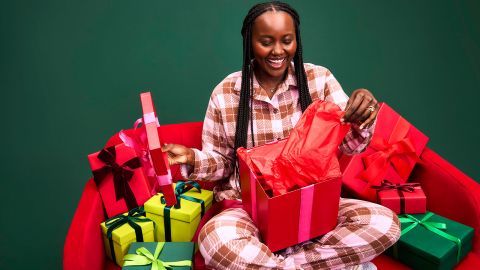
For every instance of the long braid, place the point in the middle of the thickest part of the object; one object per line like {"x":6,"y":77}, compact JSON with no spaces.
{"x":246,"y":93}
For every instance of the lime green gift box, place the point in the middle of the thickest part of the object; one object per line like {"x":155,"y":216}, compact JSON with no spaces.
{"x":179,"y":223}
{"x":429,"y":241}
{"x":122,"y":230}
{"x":163,"y":255}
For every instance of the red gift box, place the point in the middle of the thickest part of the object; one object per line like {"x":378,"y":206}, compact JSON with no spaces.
{"x":391,"y":154}
{"x":119,"y":177}
{"x":402,"y":198}
{"x":293,"y":217}
{"x":158,"y":157}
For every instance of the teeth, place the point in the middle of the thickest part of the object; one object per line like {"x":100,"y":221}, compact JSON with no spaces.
{"x":276,"y":61}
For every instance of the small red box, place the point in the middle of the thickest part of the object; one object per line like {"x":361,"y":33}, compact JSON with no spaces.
{"x":135,"y":186}
{"x":291,"y":218}
{"x":402,"y":201}
{"x":393,"y":152}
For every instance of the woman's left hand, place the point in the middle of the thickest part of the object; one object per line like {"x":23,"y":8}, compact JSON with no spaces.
{"x":362,"y":108}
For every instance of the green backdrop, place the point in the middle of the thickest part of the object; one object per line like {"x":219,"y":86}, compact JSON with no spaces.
{"x":71,"y":74}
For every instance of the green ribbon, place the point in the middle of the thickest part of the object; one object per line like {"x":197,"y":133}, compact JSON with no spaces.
{"x":135,"y":215}
{"x":180,"y":188}
{"x":434,"y":227}
{"x":145,"y":257}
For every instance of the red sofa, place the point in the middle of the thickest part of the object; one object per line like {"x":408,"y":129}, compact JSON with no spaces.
{"x":450,"y":193}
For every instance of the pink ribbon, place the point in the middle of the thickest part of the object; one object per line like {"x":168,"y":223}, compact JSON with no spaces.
{"x":150,"y":118}
{"x":305,"y":219}
{"x":139,"y":143}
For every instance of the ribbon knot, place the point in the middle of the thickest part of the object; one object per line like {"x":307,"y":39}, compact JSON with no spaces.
{"x":387,"y":185}
{"x":122,"y":174}
{"x":144,"y":257}
{"x":434,"y":227}
{"x":396,"y":152}
{"x":133,"y":216}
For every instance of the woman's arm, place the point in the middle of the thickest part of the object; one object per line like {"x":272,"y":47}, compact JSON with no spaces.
{"x":357,"y":113}
{"x":215,"y":160}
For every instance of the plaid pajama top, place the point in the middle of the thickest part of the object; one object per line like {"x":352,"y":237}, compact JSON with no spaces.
{"x":273,"y":119}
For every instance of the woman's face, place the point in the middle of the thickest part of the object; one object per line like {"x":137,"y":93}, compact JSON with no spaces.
{"x":274,"y":44}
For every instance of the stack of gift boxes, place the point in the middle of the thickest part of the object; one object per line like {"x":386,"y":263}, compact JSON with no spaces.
{"x":151,"y":221}
{"x":149,"y":217}
{"x":381,"y":174}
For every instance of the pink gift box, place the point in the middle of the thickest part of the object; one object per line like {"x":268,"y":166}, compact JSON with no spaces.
{"x":158,"y":157}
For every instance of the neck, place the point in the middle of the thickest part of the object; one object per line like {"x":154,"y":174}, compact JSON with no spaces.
{"x":268,"y":82}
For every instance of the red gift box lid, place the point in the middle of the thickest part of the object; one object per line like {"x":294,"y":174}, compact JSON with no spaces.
{"x":159,"y":158}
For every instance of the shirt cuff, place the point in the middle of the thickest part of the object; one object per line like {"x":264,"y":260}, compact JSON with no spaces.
{"x":191,"y":172}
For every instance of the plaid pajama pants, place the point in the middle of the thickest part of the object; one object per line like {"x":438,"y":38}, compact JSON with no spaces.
{"x":230,"y":240}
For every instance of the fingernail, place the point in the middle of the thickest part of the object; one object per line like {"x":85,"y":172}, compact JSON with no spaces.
{"x":361,"y":126}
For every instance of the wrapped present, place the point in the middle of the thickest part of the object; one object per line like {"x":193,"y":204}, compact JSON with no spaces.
{"x":429,"y":241}
{"x":119,"y":178}
{"x":402,"y":198}
{"x":122,"y":230}
{"x":392,"y":153}
{"x":154,"y":255}
{"x":158,"y":157}
{"x":312,"y":210}
{"x":178,"y":223}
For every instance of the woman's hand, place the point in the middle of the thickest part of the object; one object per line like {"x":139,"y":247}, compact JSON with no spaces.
{"x":179,"y":154}
{"x":362,"y":108}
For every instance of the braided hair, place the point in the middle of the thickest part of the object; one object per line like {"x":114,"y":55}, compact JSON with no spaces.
{"x":245,"y":111}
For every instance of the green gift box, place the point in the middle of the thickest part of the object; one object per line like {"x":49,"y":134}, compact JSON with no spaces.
{"x":429,"y":241}
{"x":159,"y":255}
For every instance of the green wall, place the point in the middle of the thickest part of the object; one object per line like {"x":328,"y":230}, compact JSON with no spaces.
{"x":71,"y":74}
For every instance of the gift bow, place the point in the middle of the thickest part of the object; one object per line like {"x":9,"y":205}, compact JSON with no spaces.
{"x":386,"y":185}
{"x":391,"y":152}
{"x":140,"y":144}
{"x":134,"y":215}
{"x":122,"y":174}
{"x":434,"y":227}
{"x":180,"y":188}
{"x":145,"y":257}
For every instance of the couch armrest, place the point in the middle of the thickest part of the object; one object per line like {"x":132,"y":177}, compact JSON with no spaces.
{"x":83,"y":248}
{"x":449,"y":192}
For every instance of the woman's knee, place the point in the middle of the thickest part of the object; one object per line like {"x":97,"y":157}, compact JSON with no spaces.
{"x":230,"y":225}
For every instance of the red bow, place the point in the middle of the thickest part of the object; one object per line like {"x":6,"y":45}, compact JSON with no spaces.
{"x":121,"y":175}
{"x":395,"y":151}
{"x":386,"y":185}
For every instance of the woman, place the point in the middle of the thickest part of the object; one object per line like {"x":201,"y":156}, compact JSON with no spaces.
{"x":263,"y":103}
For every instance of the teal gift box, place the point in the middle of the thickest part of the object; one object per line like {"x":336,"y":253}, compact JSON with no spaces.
{"x":429,"y":241}
{"x":169,"y":255}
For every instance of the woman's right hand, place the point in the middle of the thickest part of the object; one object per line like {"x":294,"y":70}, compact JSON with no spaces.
{"x":179,"y":154}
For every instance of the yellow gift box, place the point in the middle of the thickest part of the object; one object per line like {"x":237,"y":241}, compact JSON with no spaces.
{"x":123,"y":233}
{"x":184,"y":217}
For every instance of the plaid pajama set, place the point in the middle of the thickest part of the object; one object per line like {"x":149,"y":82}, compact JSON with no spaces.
{"x":230,"y":240}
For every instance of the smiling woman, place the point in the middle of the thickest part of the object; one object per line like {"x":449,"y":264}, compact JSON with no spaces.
{"x":262,"y":103}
